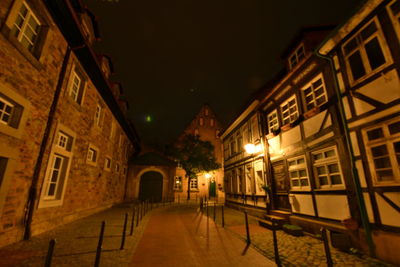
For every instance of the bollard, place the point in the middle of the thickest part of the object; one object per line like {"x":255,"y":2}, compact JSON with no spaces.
{"x":223,"y":216}
{"x":247,"y":228}
{"x":124,"y":232}
{"x":276,"y":251}
{"x":329,"y":261}
{"x":133,"y":220}
{"x":207,"y":208}
{"x":50,"y":251}
{"x":99,"y":245}
{"x":215,"y":207}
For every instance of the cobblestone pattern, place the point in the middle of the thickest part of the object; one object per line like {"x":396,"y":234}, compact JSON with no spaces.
{"x":293,"y":251}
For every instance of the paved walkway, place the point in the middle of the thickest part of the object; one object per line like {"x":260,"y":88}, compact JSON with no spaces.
{"x":179,"y":236}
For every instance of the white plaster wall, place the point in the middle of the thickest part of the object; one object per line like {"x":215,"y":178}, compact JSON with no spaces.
{"x":274,"y":145}
{"x":291,"y":136}
{"x":346,"y":107}
{"x":362,"y":107}
{"x":384,"y":89}
{"x":313,"y":124}
{"x":302,"y":204}
{"x":389,"y":215}
{"x":333,"y":207}
{"x":361,"y":173}
{"x":368,"y":206}
{"x":354,"y":143}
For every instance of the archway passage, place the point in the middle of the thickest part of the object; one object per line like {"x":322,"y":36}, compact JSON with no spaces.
{"x":151,"y":184}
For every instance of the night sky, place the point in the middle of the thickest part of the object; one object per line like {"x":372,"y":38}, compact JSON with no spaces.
{"x":173,"y":56}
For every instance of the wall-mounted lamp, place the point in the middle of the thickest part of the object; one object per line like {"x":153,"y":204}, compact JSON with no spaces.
{"x":207,"y":175}
{"x":252,"y":149}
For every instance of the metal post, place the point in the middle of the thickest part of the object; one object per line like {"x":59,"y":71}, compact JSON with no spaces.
{"x":99,"y":245}
{"x":247,"y":228}
{"x":124,"y":232}
{"x":215,"y":207}
{"x":133,"y":220}
{"x":223,"y":216}
{"x":207,"y":208}
{"x":276,"y":251}
{"x":50,"y":251}
{"x":137,"y":216}
{"x":328,"y":255}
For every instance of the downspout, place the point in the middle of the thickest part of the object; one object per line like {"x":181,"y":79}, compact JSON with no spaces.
{"x":30,"y":205}
{"x":356,"y":179}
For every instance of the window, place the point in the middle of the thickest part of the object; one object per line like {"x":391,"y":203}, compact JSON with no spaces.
{"x":26,"y":27}
{"x":298,"y":173}
{"x":383,"y":151}
{"x":76,"y":86}
{"x":206,"y":111}
{"x":10,"y":112}
{"x":97,"y":115}
{"x":297,"y":56}
{"x":211,"y":122}
{"x":233,"y":147}
{"x":107,"y":164}
{"x":240,"y":144}
{"x":363,"y":53}
{"x":327,"y":168}
{"x":57,"y":168}
{"x":92,"y":155}
{"x":394,"y":11}
{"x":3,"y":165}
{"x":201,"y":121}
{"x":6,"y":110}
{"x":273,"y":123}
{"x":193,"y":184}
{"x":289,"y":110}
{"x":196,"y":131}
{"x":239,"y":180}
{"x":314,"y":93}
{"x":178,"y":183}
{"x":117,"y":168}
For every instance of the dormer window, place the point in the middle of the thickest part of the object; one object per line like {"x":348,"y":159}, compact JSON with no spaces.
{"x":297,"y":56}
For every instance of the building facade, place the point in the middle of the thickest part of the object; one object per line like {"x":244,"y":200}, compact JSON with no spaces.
{"x":64,"y":139}
{"x":329,"y":134}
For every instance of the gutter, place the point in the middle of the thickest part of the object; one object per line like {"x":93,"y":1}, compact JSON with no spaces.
{"x":322,"y":51}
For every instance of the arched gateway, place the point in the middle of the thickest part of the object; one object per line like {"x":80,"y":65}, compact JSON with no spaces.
{"x":151,"y":186}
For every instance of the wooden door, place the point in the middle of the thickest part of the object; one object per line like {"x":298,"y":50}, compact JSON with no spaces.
{"x":281,"y":186}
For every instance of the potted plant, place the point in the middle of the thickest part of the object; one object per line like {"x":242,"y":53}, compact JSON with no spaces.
{"x":294,"y":230}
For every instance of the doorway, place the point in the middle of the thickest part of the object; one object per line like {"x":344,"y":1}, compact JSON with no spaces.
{"x":281,"y":186}
{"x":151,"y":185}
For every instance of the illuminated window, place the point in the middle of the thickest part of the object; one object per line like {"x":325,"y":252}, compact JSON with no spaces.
{"x":26,"y":28}
{"x":273,"y":123}
{"x":383,"y":151}
{"x":289,"y":110}
{"x":211,"y":122}
{"x":297,"y":56}
{"x":201,"y":121}
{"x":365,"y":53}
{"x":298,"y":173}
{"x":178,"y":183}
{"x":314,"y":93}
{"x":327,"y":168}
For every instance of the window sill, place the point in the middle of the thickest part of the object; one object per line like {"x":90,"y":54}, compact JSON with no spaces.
{"x":312,"y":112}
{"x":341,"y":188}
{"x":94,"y":164}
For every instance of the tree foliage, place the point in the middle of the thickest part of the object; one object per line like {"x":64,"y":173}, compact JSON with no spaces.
{"x":194,"y":156}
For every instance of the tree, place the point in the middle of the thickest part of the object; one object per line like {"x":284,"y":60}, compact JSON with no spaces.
{"x":194,"y":156}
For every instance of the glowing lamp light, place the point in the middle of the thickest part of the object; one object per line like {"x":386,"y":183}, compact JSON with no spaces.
{"x":148,"y":118}
{"x":207,"y":175}
{"x":250,"y":148}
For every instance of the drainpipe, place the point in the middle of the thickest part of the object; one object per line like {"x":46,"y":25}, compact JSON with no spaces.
{"x":356,"y":179}
{"x":30,"y":205}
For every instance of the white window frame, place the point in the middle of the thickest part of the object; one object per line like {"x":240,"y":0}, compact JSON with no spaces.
{"x":312,"y":94}
{"x":291,"y":114}
{"x":92,"y":155}
{"x":325,"y":162}
{"x":273,"y":121}
{"x":4,"y":113}
{"x":395,"y":18}
{"x":178,"y":183}
{"x":194,"y":184}
{"x":296,"y":168}
{"x":363,"y":54}
{"x":107,"y":164}
{"x":22,"y":29}
{"x":76,"y":86}
{"x":388,"y":140}
{"x":57,"y":151}
{"x":296,"y":56}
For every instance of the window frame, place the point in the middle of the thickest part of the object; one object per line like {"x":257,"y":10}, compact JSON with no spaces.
{"x":296,"y":55}
{"x":395,"y":19}
{"x":388,"y":140}
{"x":92,"y":155}
{"x":178,"y":180}
{"x":107,"y":167}
{"x":297,"y":168}
{"x":97,"y":115}
{"x":286,"y":102}
{"x":275,"y":126}
{"x":194,"y":184}
{"x":3,"y":111}
{"x":314,"y":97}
{"x":77,"y":96}
{"x":363,"y":54}
{"x":326,"y":161}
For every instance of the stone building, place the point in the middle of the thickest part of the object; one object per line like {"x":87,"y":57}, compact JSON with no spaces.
{"x":325,"y":135}
{"x":206,"y":125}
{"x":64,"y":138}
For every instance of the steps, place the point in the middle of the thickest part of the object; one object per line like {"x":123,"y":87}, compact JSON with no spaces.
{"x":277,"y":216}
